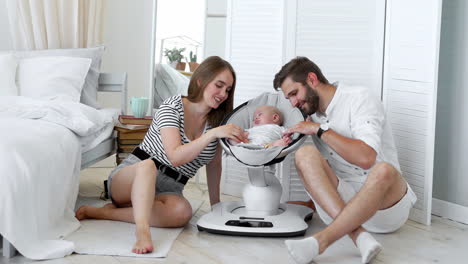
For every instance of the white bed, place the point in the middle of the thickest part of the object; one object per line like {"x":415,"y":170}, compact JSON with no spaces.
{"x":95,"y":151}
{"x":43,"y":147}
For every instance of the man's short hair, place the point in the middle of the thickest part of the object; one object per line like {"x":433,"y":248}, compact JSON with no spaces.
{"x":298,"y":69}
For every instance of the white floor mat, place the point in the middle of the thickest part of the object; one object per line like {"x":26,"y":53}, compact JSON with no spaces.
{"x":103,"y":237}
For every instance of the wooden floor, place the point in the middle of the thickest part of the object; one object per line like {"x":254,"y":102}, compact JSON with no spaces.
{"x":444,"y":241}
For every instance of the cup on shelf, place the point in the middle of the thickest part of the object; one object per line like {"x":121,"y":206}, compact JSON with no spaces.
{"x":139,"y":106}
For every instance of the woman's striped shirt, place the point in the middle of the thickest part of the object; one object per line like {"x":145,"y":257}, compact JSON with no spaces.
{"x":171,"y":114}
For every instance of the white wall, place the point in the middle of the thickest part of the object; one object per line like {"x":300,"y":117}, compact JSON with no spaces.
{"x":451,"y":148}
{"x":5,"y":38}
{"x":215,"y":28}
{"x":127,"y":36}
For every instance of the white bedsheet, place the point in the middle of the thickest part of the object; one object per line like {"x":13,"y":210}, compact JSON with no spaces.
{"x":40,"y":154}
{"x":91,"y":141}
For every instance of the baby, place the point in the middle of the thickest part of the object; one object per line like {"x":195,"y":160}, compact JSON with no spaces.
{"x":267,"y":130}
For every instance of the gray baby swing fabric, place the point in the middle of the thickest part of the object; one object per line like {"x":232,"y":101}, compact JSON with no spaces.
{"x":243,"y":116}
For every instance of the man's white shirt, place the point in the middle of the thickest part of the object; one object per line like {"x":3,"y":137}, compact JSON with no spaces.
{"x":355,"y":113}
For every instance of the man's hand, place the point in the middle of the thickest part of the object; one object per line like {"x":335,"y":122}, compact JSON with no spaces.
{"x":304,"y":127}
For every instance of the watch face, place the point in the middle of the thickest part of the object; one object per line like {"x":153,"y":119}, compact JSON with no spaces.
{"x":324,"y":127}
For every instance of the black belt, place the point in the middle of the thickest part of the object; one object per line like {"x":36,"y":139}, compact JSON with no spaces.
{"x":177,"y":176}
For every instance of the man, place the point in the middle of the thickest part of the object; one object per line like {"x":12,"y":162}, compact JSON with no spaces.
{"x":352,"y":173}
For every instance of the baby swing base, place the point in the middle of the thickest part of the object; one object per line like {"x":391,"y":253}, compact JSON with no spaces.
{"x":232,"y":218}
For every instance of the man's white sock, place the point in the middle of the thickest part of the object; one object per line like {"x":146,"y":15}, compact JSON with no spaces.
{"x":304,"y":250}
{"x":368,"y":246}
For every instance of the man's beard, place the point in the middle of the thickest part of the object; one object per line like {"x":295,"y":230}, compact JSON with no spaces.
{"x":311,"y":101}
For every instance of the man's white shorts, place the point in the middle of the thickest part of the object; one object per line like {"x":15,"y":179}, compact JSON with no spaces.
{"x":384,"y":221}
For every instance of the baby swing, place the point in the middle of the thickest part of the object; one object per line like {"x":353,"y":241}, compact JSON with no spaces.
{"x":260,"y":213}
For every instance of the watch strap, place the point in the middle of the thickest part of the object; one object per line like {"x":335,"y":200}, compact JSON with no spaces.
{"x":320,"y":132}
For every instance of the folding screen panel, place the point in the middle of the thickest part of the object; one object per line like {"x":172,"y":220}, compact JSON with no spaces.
{"x":347,"y":46}
{"x":254,"y":46}
{"x":410,"y":91}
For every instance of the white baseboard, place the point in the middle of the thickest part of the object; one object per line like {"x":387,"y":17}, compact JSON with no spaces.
{"x":450,"y":210}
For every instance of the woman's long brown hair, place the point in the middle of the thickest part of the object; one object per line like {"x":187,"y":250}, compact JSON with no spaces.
{"x":203,"y":75}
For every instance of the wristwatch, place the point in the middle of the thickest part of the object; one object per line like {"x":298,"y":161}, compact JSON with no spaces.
{"x":322,"y":129}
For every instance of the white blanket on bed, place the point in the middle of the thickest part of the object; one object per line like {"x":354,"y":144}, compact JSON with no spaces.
{"x":40,"y":158}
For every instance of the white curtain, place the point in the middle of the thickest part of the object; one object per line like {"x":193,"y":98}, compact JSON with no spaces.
{"x":53,"y":24}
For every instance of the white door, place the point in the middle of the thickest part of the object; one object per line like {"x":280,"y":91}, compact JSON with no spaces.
{"x":410,"y":91}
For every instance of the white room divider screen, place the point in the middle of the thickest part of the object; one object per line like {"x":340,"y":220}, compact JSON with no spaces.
{"x":410,"y":91}
{"x":347,"y":46}
{"x":254,"y":46}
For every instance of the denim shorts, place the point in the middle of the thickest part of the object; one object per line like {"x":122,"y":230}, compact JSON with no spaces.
{"x":164,"y":183}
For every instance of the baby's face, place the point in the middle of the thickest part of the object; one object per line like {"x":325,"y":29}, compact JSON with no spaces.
{"x":263,"y":116}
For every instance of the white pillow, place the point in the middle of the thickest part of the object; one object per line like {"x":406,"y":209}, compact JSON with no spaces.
{"x":89,"y":92}
{"x":8,"y":65}
{"x":55,"y":78}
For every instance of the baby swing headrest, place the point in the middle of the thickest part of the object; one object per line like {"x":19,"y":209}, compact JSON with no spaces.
{"x":243,"y":116}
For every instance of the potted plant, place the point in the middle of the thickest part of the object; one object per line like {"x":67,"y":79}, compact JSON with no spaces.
{"x":193,"y":62}
{"x":174,"y":56}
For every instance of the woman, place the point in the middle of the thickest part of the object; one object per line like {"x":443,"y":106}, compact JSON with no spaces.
{"x":146,"y":188}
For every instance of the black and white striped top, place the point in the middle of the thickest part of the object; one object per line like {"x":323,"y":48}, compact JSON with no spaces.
{"x":171,"y":114}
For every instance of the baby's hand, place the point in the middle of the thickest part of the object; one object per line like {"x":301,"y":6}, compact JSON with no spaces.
{"x":283,"y":142}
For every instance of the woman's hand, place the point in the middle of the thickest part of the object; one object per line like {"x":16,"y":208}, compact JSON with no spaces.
{"x":230,"y":131}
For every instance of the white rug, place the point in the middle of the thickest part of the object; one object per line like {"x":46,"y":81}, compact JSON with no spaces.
{"x":103,"y":237}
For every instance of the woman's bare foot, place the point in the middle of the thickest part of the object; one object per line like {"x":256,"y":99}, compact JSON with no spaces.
{"x":84,"y":211}
{"x":81,"y":214}
{"x":144,"y":244}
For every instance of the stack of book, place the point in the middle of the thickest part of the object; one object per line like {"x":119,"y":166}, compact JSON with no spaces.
{"x":130,"y":133}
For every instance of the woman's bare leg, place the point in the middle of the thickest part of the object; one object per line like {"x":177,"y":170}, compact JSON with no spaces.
{"x":169,"y":210}
{"x":133,"y":185}
{"x":142,"y":197}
